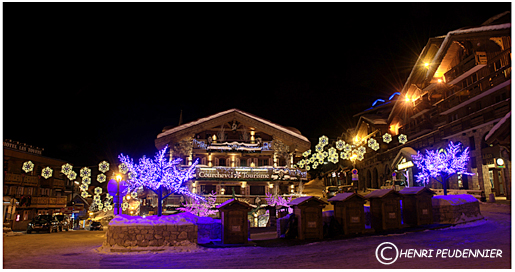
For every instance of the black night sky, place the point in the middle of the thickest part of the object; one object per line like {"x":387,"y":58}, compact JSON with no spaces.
{"x":88,"y":81}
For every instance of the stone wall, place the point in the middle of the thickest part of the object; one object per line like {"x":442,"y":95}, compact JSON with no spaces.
{"x":454,"y":209}
{"x":150,"y":235}
{"x":208,"y":231}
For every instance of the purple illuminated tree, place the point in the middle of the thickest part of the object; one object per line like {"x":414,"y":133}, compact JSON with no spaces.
{"x":442,"y":163}
{"x":159,"y":175}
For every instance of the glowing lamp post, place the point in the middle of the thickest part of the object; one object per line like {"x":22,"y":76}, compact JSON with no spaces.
{"x":117,"y":187}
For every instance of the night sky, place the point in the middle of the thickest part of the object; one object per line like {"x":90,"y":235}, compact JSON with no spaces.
{"x":88,"y":81}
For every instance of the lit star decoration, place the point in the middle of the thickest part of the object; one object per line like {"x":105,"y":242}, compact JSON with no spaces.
{"x":72,"y":175}
{"x":160,"y":174}
{"x":66,"y":169}
{"x":47,"y":172}
{"x":387,"y":138}
{"x":103,"y":166}
{"x":86,"y":180}
{"x":85,"y":172}
{"x":101,"y":178}
{"x":323,"y":141}
{"x":444,"y":164}
{"x":403,"y":139}
{"x":28,"y":166}
{"x":340,"y":145}
{"x":123,"y":168}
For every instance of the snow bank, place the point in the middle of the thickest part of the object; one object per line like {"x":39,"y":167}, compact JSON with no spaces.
{"x":453,"y":199}
{"x":455,"y":209}
{"x":180,"y":247}
{"x":174,"y":219}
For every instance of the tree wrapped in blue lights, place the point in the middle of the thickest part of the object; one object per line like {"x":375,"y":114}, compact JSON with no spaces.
{"x":159,"y":175}
{"x":441,"y":163}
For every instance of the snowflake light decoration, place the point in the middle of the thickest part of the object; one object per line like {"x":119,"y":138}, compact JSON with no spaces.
{"x":105,"y":210}
{"x":96,"y":198}
{"x":315,"y":165}
{"x":344,"y":155}
{"x":66,"y":169}
{"x":86,"y":180}
{"x":83,"y":187}
{"x":312,"y":159}
{"x":72,"y":175}
{"x":325,"y":154}
{"x":323,"y":140}
{"x":131,"y":175}
{"x":84,"y":194}
{"x":123,"y":168}
{"x":375,"y":147}
{"x":301,"y":163}
{"x":372,"y":142}
{"x":28,"y":166}
{"x":306,"y":153}
{"x":319,"y":148}
{"x":332,"y":151}
{"x":320,"y":156}
{"x":362,"y":150}
{"x":134,"y":194}
{"x":387,"y":137}
{"x":101,"y":178}
{"x":340,"y":145}
{"x":125,"y":205}
{"x":103,"y":166}
{"x":333,"y":158}
{"x":403,"y":139}
{"x":308,"y":167}
{"x":47,"y":172}
{"x":85,"y":172}
{"x":361,"y":156}
{"x":347,"y":148}
{"x":98,"y":190}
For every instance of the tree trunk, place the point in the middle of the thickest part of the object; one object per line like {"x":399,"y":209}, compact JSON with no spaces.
{"x":160,"y":202}
{"x":444,"y":184}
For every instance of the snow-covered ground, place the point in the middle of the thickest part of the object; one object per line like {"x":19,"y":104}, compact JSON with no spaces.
{"x":82,"y":250}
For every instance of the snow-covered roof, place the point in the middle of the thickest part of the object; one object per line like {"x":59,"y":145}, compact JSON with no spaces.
{"x":344,"y":196}
{"x":415,"y":191}
{"x":381,"y":193}
{"x":304,"y":199}
{"x":450,"y":36}
{"x":211,"y":117}
{"x":405,"y":152}
{"x":452,"y":200}
{"x":497,"y":126}
{"x":231,"y":202}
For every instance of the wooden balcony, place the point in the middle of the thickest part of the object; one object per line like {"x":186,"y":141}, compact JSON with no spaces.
{"x":48,"y":202}
{"x":467,"y":67}
{"x":53,"y":183}
{"x":30,"y":181}
{"x":13,"y":179}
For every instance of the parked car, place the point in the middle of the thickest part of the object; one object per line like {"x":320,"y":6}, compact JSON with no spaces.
{"x":46,"y":223}
{"x":95,"y":225}
{"x":64,"y":222}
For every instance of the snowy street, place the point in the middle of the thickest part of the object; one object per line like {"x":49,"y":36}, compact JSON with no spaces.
{"x":80,"y":250}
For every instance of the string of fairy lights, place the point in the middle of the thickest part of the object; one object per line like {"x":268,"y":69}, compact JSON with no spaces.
{"x":342,"y":151}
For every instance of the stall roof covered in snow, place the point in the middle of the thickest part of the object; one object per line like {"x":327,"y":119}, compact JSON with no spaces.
{"x":232,"y":202}
{"x":304,"y":199}
{"x":344,"y":196}
{"x":415,"y":191}
{"x":443,"y":200}
{"x":382,"y":193}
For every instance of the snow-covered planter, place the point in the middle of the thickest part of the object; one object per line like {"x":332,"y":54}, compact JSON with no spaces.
{"x":169,"y":230}
{"x":454,"y":209}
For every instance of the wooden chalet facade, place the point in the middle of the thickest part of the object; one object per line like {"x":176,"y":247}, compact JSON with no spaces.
{"x":238,"y":153}
{"x":458,"y":90}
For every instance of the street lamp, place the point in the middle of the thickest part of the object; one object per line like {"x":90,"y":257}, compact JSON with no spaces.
{"x":118,"y":180}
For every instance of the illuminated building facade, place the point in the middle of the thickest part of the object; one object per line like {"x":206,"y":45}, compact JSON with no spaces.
{"x":459,"y":90}
{"x":238,"y":154}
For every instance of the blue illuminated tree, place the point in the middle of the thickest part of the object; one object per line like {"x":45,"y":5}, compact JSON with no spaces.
{"x":160,"y":175}
{"x":441,"y":163}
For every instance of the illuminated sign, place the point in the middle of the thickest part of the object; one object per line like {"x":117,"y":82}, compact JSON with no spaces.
{"x":233,"y":173}
{"x":404,"y":165}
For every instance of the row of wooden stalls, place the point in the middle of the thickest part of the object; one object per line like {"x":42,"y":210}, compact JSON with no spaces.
{"x":389,"y":210}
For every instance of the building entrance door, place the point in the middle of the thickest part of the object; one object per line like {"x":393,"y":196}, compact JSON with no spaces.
{"x":497,"y":182}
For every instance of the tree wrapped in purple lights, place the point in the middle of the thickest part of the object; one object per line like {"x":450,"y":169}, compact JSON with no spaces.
{"x":276,"y":200}
{"x":201,"y":208}
{"x":159,"y":175}
{"x":443,"y":163}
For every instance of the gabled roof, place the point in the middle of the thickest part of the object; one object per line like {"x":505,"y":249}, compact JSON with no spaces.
{"x":382,"y":193}
{"x":415,"y":191}
{"x":344,"y":197}
{"x":405,"y":152}
{"x":304,"y":199}
{"x":197,"y":126}
{"x":233,"y":202}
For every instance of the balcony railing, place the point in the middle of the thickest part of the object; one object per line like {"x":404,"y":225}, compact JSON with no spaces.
{"x":13,"y":179}
{"x":53,"y":183}
{"x":465,"y":68}
{"x":30,"y":181}
{"x":48,"y":202}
